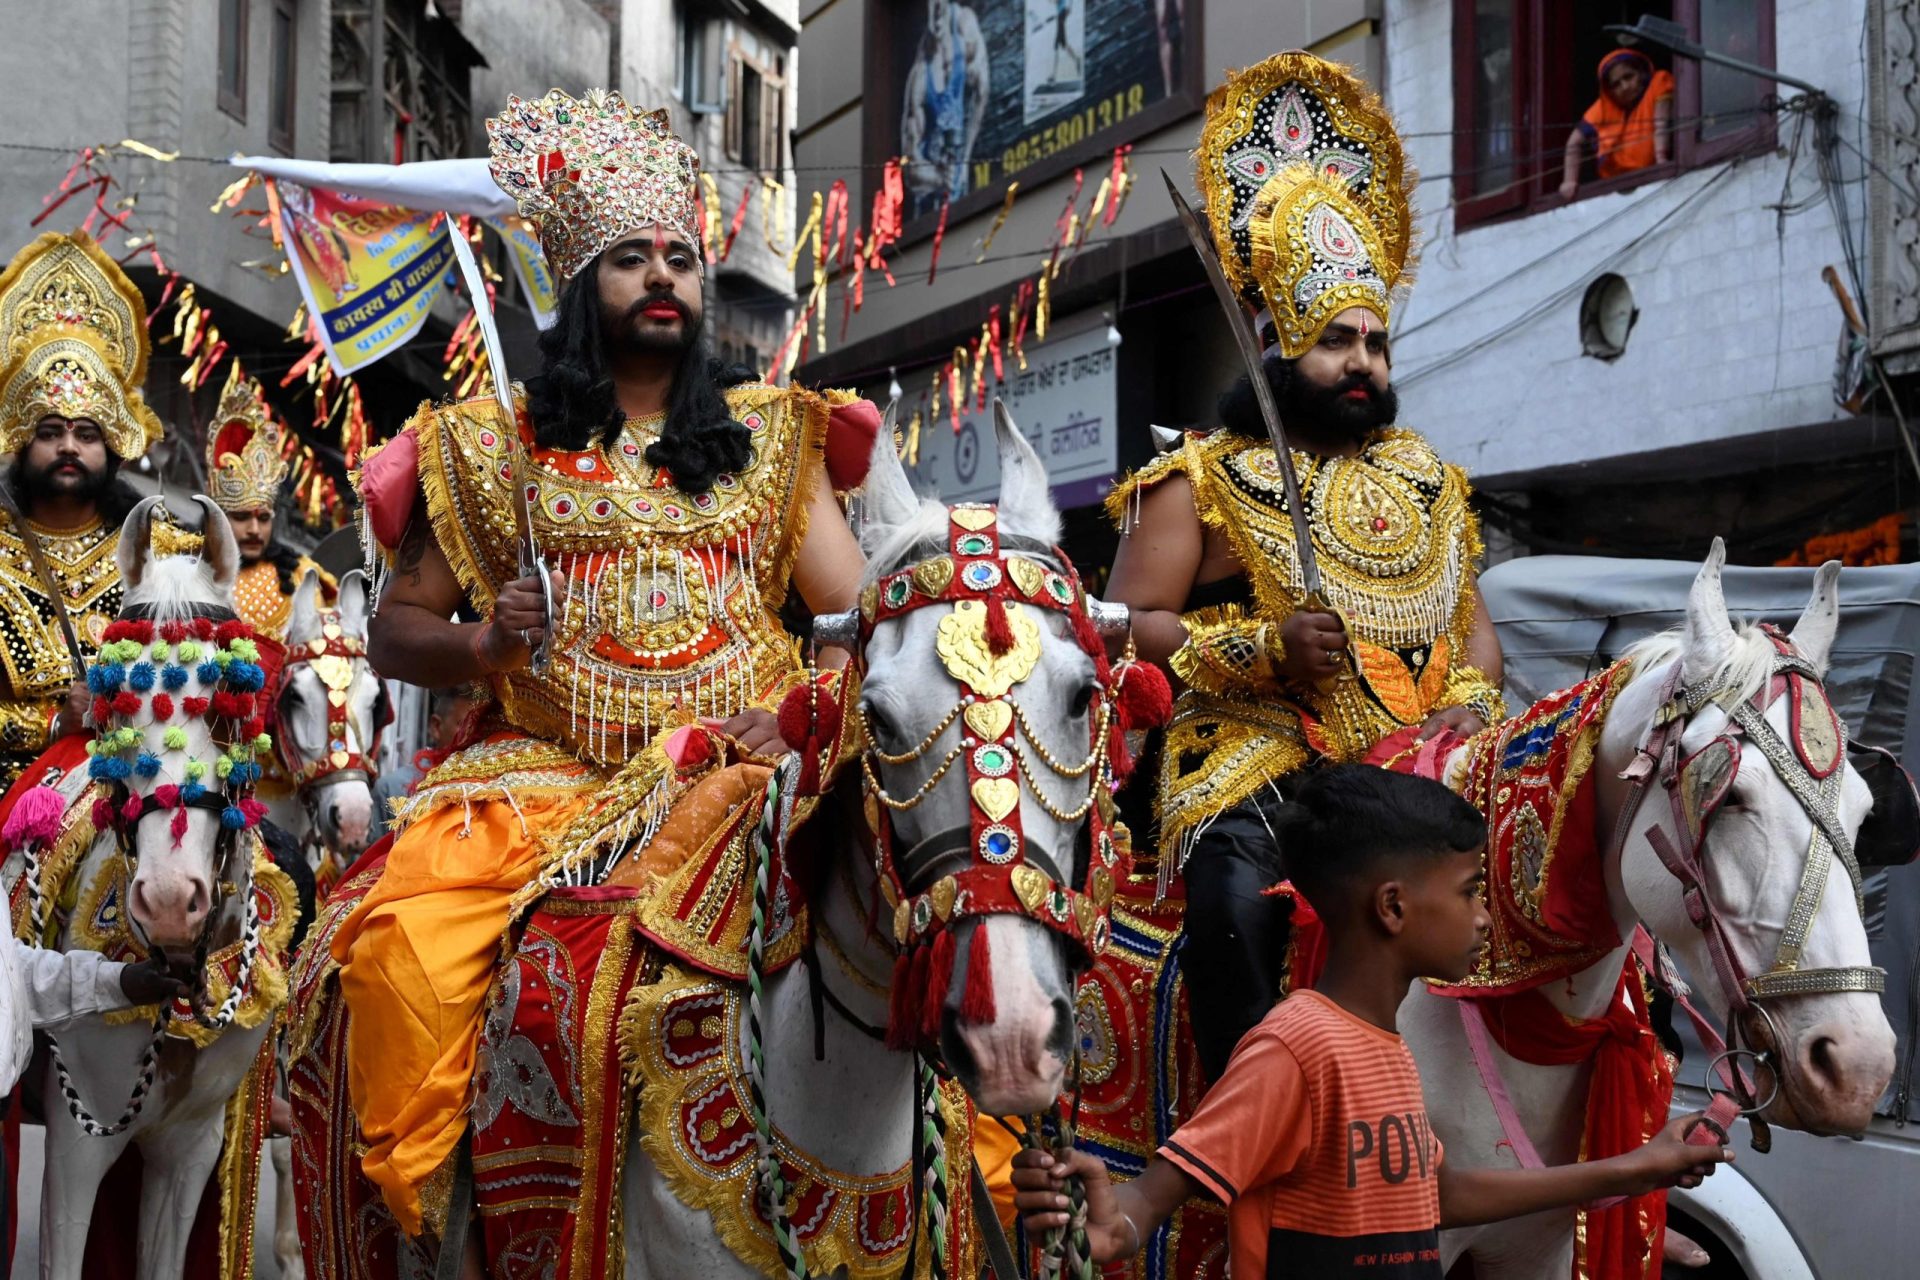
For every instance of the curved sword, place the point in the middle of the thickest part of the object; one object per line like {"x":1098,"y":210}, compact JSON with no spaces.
{"x":1249,"y":344}
{"x":532,"y":563}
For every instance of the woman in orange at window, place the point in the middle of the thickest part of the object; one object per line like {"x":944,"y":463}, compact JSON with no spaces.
{"x":1629,"y":126}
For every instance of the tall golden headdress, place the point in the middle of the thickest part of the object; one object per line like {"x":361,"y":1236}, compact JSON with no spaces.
{"x":244,"y":464}
{"x":1308,"y":192}
{"x":586,"y":171}
{"x":73,"y":342}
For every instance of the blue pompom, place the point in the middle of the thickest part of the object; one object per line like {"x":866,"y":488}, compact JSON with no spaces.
{"x":209,"y":673}
{"x":245,"y":677}
{"x":140,"y":677}
{"x":232,"y":819}
{"x":192,"y":791}
{"x":173,"y":676}
{"x":244,"y":774}
{"x":147,"y":765}
{"x":109,"y":769}
{"x":105,"y":677}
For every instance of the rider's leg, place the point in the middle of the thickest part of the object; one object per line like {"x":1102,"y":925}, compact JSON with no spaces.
{"x":1234,"y":933}
{"x":418,"y":956}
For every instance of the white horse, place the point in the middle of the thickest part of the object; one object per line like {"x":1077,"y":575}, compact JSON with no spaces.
{"x":1830,"y":1055}
{"x":326,"y":683}
{"x":852,"y":1110}
{"x":179,"y":897}
{"x":330,"y":810}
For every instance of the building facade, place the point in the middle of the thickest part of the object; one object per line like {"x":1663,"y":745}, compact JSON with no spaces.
{"x":977,"y":95}
{"x":1646,"y":359}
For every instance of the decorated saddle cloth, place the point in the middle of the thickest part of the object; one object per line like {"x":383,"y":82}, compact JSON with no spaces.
{"x":1532,"y":777}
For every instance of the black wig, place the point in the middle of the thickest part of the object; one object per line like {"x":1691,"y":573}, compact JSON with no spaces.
{"x":572,"y":400}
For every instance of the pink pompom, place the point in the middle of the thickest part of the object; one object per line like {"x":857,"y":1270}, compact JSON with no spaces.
{"x":102,"y":814}
{"x":35,"y":818}
{"x":252,"y":810}
{"x":131,"y":809}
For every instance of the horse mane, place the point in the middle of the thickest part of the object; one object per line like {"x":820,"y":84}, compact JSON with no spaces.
{"x":891,"y":547}
{"x":1741,"y":673}
{"x":174,"y":587}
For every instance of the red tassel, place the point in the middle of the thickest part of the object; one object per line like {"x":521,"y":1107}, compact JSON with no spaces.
{"x":999,"y":627}
{"x":903,"y":1013}
{"x":179,"y":824}
{"x":1143,"y":699}
{"x":976,"y":1003}
{"x":939,"y":979}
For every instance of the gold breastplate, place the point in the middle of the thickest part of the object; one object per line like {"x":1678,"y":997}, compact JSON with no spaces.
{"x":673,"y":600}
{"x":82,"y":560}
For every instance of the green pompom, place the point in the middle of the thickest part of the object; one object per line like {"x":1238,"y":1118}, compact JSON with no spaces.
{"x":159,"y":651}
{"x":174,"y":739}
{"x":245,"y":650}
{"x":222,"y":767}
{"x":196,"y":770}
{"x":189,"y":652}
{"x":263,"y":743}
{"x":223,"y":657}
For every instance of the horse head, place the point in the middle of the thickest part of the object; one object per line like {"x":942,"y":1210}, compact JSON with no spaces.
{"x":1741,"y":860}
{"x":987,"y":704}
{"x":177,"y":726}
{"x":331,"y":708}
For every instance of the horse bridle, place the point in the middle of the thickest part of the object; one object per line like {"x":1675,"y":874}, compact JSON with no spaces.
{"x":1812,"y":767}
{"x":984,"y":868}
{"x":332,"y":654}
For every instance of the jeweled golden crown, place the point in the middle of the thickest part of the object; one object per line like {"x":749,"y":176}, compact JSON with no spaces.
{"x":73,"y":343}
{"x":244,"y":464}
{"x":1308,"y":191}
{"x":585,"y":171}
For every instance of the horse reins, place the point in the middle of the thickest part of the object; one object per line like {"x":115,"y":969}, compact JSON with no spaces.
{"x":351,"y":752}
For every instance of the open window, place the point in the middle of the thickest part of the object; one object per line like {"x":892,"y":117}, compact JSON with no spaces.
{"x":1525,"y":75}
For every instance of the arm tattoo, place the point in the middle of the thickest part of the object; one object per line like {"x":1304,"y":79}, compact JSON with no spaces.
{"x":412,"y":550}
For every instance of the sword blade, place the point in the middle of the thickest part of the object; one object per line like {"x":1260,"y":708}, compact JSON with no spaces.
{"x":1249,"y":344}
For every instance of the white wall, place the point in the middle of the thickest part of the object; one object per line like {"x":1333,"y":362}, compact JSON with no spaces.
{"x":532,"y":46}
{"x":1736,"y":332}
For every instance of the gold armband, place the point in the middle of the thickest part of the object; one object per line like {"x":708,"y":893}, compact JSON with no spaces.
{"x":1228,"y":653}
{"x":1469,"y":687}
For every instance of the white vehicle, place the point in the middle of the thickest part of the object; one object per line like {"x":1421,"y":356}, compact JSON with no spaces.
{"x":1814,"y":1207}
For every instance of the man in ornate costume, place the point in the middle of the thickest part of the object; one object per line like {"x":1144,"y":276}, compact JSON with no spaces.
{"x":245,"y":469}
{"x":1307,"y":191}
{"x":675,"y":514}
{"x":75,"y":354}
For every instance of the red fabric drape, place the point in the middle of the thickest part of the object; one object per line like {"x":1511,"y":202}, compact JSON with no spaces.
{"x":1627,"y":1103}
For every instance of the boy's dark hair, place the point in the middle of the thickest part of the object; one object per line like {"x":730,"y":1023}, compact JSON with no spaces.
{"x":572,"y":402}
{"x":1349,"y":819}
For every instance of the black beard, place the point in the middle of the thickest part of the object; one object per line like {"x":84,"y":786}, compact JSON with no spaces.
{"x":39,"y":482}
{"x":1313,"y":412}
{"x":633,"y":336}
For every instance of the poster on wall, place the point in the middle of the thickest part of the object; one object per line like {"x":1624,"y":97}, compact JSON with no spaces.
{"x":983,"y":92}
{"x":1063,"y":402}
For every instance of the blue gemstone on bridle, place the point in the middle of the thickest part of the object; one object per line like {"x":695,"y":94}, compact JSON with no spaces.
{"x":998,"y":843}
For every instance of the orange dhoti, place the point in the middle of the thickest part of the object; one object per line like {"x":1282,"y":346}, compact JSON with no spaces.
{"x":417,"y":957}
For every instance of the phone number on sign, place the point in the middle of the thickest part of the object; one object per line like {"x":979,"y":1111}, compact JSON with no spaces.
{"x":1071,"y":131}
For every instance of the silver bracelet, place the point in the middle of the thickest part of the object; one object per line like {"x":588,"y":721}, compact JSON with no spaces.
{"x":1135,"y":1247}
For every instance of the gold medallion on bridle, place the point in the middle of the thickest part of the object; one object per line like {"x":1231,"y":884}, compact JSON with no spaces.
{"x":1027,"y":575}
{"x":963,"y":649}
{"x":989,"y":719}
{"x":974,"y":519}
{"x":1030,"y":886}
{"x":932,"y":576}
{"x":334,"y":671}
{"x":942,"y":895}
{"x":996,"y":796}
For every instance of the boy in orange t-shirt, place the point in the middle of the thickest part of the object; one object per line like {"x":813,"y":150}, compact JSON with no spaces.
{"x":1316,"y":1137}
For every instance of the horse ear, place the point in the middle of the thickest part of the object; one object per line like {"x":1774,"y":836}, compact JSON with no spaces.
{"x":1026,"y":498}
{"x":135,"y":551}
{"x":353,"y":603}
{"x":1709,"y":632}
{"x":217,"y":546}
{"x":303,"y":622}
{"x":1813,"y":635}
{"x":888,"y":498}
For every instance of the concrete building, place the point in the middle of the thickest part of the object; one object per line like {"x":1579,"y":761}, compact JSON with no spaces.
{"x":726,"y":70}
{"x":1056,"y":98}
{"x":1653,"y":360}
